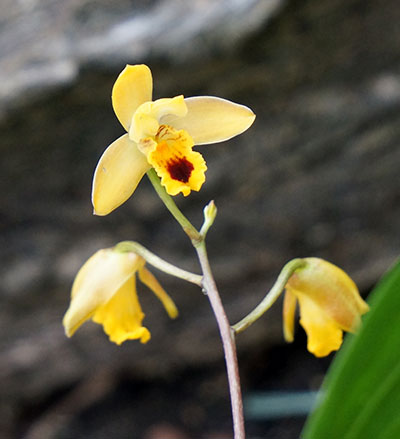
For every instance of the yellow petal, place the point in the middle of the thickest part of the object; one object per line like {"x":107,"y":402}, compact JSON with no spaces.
{"x":151,"y":282}
{"x":289,"y":310}
{"x":180,"y":168}
{"x":133,"y":87}
{"x":119,"y":171}
{"x":323,"y":334}
{"x":211,"y":120}
{"x":122,"y":315}
{"x":96,"y":282}
{"x":332,"y":290}
{"x":146,"y":119}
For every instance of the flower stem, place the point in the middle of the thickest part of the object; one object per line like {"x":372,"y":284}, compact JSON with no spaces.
{"x":209,"y":286}
{"x":271,"y":296}
{"x":156,"y":261}
{"x":228,"y":342}
{"x":186,"y":225}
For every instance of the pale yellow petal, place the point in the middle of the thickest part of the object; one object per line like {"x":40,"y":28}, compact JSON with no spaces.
{"x":122,"y":315}
{"x":289,"y":310}
{"x":150,"y":281}
{"x":323,"y":333}
{"x":211,"y":120}
{"x":133,"y":87}
{"x":119,"y":171}
{"x":332,"y":290}
{"x":145,"y":122}
{"x":96,"y":282}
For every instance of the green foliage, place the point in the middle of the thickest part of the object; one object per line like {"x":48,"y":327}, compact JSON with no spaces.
{"x":361,"y":394}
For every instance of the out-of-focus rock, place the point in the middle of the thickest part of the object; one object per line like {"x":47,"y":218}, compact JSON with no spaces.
{"x":44,"y":44}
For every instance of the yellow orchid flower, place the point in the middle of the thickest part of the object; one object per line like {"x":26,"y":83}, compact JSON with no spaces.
{"x":160,"y":134}
{"x":329,"y":304}
{"x":104,"y":290}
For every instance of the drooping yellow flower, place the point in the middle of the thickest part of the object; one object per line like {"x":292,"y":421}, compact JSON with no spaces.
{"x":329,"y":304}
{"x":104,"y":290}
{"x":160,"y":134}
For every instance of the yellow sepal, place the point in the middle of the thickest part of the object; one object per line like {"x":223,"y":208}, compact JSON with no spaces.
{"x":119,"y":171}
{"x":151,"y":282}
{"x":133,"y":87}
{"x":289,"y":310}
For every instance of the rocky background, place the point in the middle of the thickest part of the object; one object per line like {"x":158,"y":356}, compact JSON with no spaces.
{"x":317,"y":174}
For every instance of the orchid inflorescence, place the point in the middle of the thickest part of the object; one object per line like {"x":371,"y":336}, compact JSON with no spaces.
{"x":159,"y":140}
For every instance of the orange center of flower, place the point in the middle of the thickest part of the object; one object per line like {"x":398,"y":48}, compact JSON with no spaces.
{"x":180,"y":168}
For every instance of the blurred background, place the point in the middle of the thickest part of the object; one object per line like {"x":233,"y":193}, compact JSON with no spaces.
{"x":316,"y":175}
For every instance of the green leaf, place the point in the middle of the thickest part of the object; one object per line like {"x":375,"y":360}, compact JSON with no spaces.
{"x":361,"y":394}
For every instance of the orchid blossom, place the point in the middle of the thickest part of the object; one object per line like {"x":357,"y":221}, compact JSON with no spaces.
{"x":104,"y":290}
{"x":329,"y":304}
{"x":160,"y":135}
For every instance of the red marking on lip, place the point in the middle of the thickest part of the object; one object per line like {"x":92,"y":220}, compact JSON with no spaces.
{"x":180,"y":169}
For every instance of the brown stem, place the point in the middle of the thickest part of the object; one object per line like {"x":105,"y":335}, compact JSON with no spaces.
{"x":228,"y":342}
{"x":208,"y":283}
